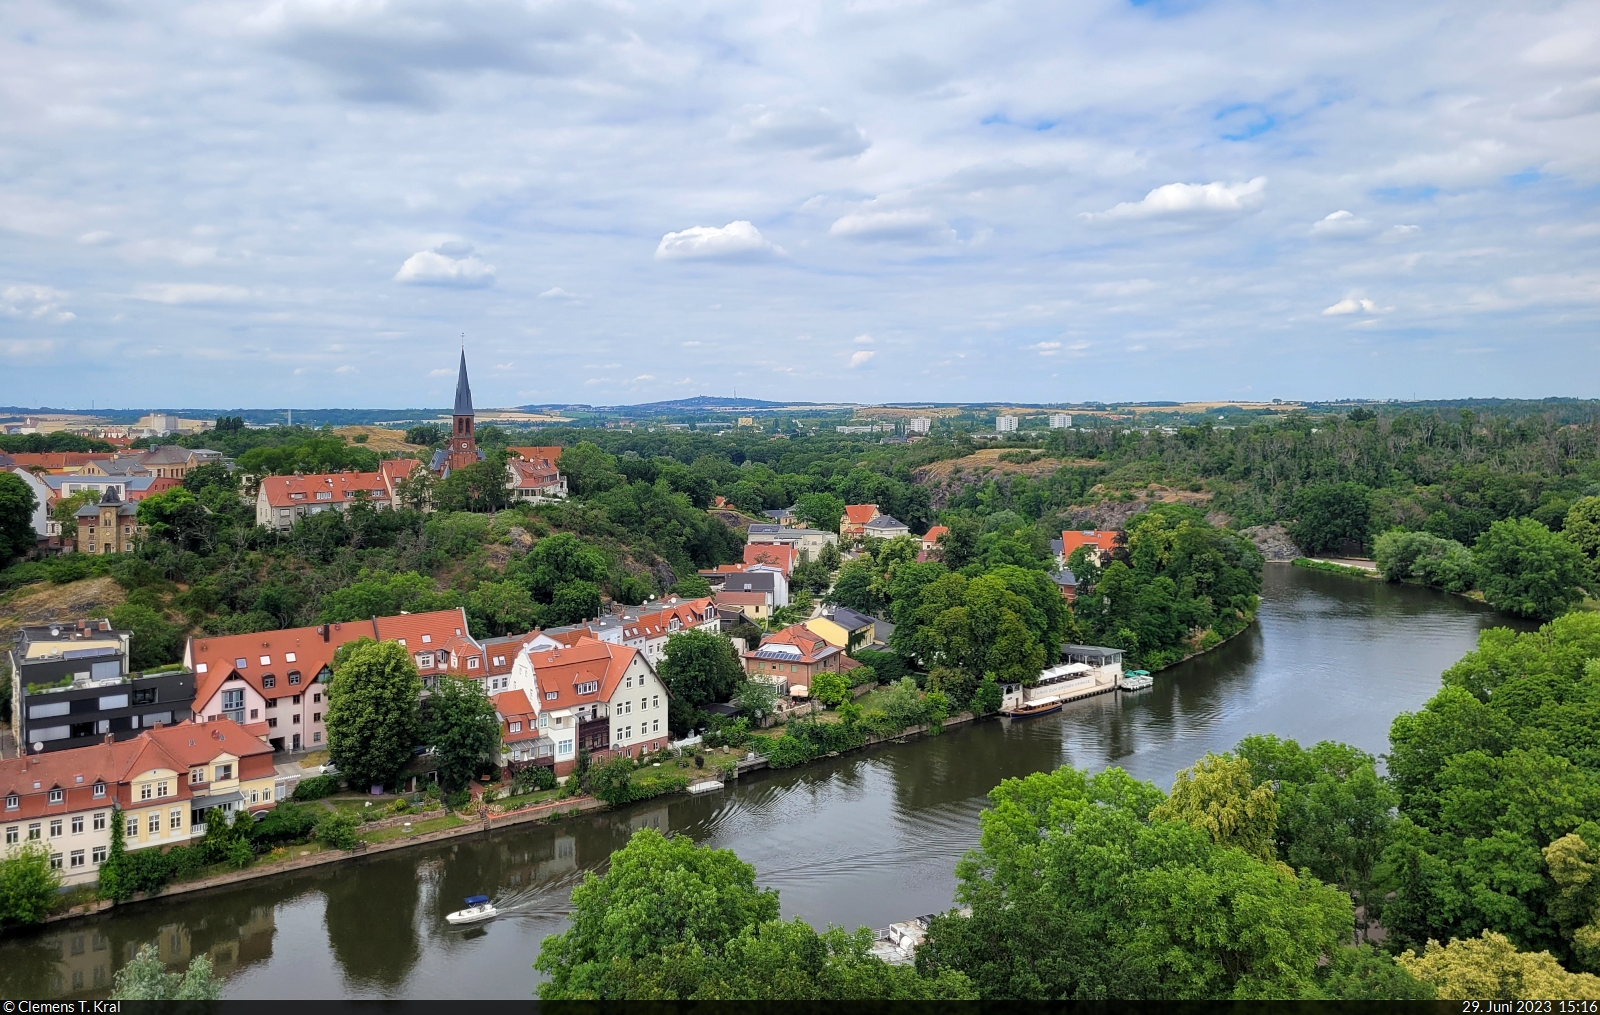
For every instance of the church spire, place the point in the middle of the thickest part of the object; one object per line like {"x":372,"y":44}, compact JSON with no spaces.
{"x":463,"y":390}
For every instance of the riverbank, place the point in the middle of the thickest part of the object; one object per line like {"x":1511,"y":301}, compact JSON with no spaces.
{"x":1332,"y":567}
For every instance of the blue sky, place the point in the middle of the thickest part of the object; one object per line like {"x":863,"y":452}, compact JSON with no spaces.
{"x":307,"y":202}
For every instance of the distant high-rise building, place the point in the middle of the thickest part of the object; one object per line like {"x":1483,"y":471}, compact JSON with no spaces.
{"x":919,"y":424}
{"x":1005,"y":424}
{"x":1060,"y":421}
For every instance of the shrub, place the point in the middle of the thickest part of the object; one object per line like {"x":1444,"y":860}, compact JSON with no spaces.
{"x":288,"y":822}
{"x":832,"y":689}
{"x":786,"y":752}
{"x":612,"y":781}
{"x":316,"y":787}
{"x":457,"y":800}
{"x":534,"y":779}
{"x":337,"y":831}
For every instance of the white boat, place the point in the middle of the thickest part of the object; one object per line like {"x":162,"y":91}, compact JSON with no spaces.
{"x":479,"y":908}
{"x":1138,"y":680}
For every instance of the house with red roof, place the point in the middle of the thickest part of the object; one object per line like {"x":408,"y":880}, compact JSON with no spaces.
{"x":1103,"y":541}
{"x":792,"y":658}
{"x":164,"y":783}
{"x":283,"y":500}
{"x":520,"y":741}
{"x":780,"y":555}
{"x":853,"y":523}
{"x":275,"y":683}
{"x":594,"y":696}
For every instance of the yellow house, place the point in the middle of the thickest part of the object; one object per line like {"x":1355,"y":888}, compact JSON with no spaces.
{"x":843,"y":628}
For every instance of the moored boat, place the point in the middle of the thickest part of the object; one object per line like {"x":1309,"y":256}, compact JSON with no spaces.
{"x":1029,"y":709}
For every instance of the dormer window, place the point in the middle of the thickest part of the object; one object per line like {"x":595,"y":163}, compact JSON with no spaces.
{"x":472,"y":662}
{"x":294,"y":678}
{"x":99,"y":791}
{"x":548,"y":696}
{"x":269,"y":681}
{"x":57,"y":795}
{"x":588,"y":687}
{"x":12,"y":803}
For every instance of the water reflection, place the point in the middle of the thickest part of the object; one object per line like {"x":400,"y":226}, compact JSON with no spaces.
{"x":865,"y":838}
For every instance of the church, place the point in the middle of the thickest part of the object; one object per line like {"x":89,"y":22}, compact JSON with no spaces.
{"x":463,"y":447}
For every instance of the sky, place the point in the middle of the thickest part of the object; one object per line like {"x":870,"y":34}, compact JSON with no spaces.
{"x":314,"y":203}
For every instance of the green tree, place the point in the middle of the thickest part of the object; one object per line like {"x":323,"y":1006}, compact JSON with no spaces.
{"x":1218,"y":796}
{"x":503,"y":608}
{"x":17,"y":504}
{"x":65,"y":510}
{"x":1526,"y":569}
{"x":692,"y":586}
{"x":373,"y":717}
{"x":820,"y":511}
{"x":1491,"y":968}
{"x":1077,"y":889}
{"x":1582,"y":526}
{"x":1366,"y":974}
{"x":589,"y":470}
{"x":755,"y":698}
{"x":657,"y":893}
{"x":154,"y":641}
{"x":177,"y":517}
{"x":832,"y":689}
{"x":146,"y":979}
{"x":427,"y":434}
{"x":1426,"y":558}
{"x":209,"y":475}
{"x":573,"y":602}
{"x":856,"y":586}
{"x":28,"y":886}
{"x":1330,"y":514}
{"x":462,"y":729}
{"x":698,"y":668}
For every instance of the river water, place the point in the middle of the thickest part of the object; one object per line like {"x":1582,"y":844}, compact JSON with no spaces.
{"x":867,"y":838}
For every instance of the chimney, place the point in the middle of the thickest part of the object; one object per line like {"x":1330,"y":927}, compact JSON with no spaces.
{"x":323,"y":630}
{"x":108,"y":738}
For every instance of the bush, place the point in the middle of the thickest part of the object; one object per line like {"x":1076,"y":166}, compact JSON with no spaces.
{"x":1426,"y":558}
{"x":338,"y":831}
{"x":316,"y":787}
{"x":786,"y":752}
{"x":457,"y":800}
{"x":27,"y":885}
{"x":534,"y":779}
{"x":832,"y":689}
{"x":611,"y":781}
{"x":288,"y":822}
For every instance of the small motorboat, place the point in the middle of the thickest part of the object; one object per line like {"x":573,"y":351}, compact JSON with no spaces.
{"x":1138,"y":680}
{"x":1029,"y":709}
{"x":479,"y":908}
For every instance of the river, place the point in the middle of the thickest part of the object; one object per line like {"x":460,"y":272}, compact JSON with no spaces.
{"x":867,"y":838}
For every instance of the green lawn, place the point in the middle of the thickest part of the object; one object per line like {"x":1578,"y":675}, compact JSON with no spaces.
{"x":417,"y":827}
{"x":529,"y":799}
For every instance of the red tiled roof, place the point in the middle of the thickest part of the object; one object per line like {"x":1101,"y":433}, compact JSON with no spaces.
{"x":531,"y":476}
{"x":590,"y":661}
{"x":545,"y":457}
{"x":860,"y":514}
{"x":398,"y":468}
{"x":58,"y":459}
{"x":932,"y":535}
{"x":213,"y":660}
{"x":782,"y":555}
{"x":741,"y":598}
{"x":192,"y":743}
{"x":341,"y":487}
{"x":1105,"y":539}
{"x":812,"y":646}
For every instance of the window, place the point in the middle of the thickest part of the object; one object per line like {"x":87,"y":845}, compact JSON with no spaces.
{"x":223,"y":772}
{"x":516,"y":727}
{"x":472,"y":662}
{"x":55,"y":827}
{"x":655,"y":701}
{"x":294,"y":679}
{"x":13,"y":833}
{"x":587,"y":687}
{"x":146,"y":791}
{"x":144,"y":696}
{"x":629,"y":682}
{"x":98,"y":855}
{"x":427,"y":639}
{"x":317,"y":698}
{"x":100,"y":821}
{"x":316,"y":716}
{"x":288,"y":657}
{"x":272,"y":722}
{"x":564,"y":747}
{"x":197,"y":775}
{"x":255,"y":714}
{"x":12,"y":802}
{"x":240,"y":663}
{"x":57,"y":795}
{"x":655,"y":726}
{"x":77,"y":858}
{"x":643,"y":704}
{"x":33,"y":831}
{"x":269,"y":681}
{"x":99,"y":790}
{"x":175,"y":819}
{"x":296,"y":699}
{"x":133,"y":827}
{"x":499,"y":660}
{"x":548,"y":696}
{"x":316,"y":737}
{"x":272,"y":702}
{"x":266,"y":660}
{"x":55,"y":861}
{"x":155,"y":823}
{"x":297,"y":718}
{"x":544,"y":721}
{"x":266,"y":795}
{"x":203,"y":667}
{"x":77,"y":824}
{"x":161,"y":789}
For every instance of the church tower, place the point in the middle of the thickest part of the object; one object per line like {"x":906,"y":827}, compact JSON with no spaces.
{"x":463,"y":446}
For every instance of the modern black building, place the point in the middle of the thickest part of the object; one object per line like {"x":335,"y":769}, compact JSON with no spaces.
{"x":71,"y":686}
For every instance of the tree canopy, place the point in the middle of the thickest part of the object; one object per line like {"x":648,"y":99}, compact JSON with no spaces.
{"x":373,"y":718}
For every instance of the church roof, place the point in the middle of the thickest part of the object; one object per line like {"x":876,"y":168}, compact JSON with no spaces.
{"x":463,"y":390}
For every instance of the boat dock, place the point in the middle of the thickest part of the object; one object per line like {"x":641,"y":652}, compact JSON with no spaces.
{"x":705,"y":786}
{"x":897,"y":943}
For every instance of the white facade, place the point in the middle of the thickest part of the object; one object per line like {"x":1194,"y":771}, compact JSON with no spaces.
{"x":42,"y":525}
{"x":1005,"y":424}
{"x":919,"y":424}
{"x":1060,"y":420}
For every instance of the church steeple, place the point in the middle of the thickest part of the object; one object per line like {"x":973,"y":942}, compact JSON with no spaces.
{"x":463,"y":444}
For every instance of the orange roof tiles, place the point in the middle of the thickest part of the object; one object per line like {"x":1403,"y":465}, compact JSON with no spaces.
{"x":545,"y":457}
{"x":559,"y":673}
{"x":782,"y":555}
{"x":1104,"y":539}
{"x":860,"y":514}
{"x":340,"y":487}
{"x":931,"y":537}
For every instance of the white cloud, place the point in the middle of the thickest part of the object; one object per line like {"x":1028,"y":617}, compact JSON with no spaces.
{"x":691,"y":343}
{"x":505,"y":366}
{"x":430,"y":267}
{"x":1396,"y":233}
{"x":1350,"y":306}
{"x":1046,"y":348}
{"x":96,"y":238}
{"x":1341,"y":224}
{"x":798,"y":128}
{"x":346,"y":369}
{"x":174,"y":293}
{"x":1190,"y":199}
{"x":441,"y":372}
{"x":34,"y":303}
{"x":864,"y":340}
{"x":916,"y":226}
{"x":644,"y":377}
{"x":861,"y":356}
{"x":558,"y":293}
{"x":733,"y":242}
